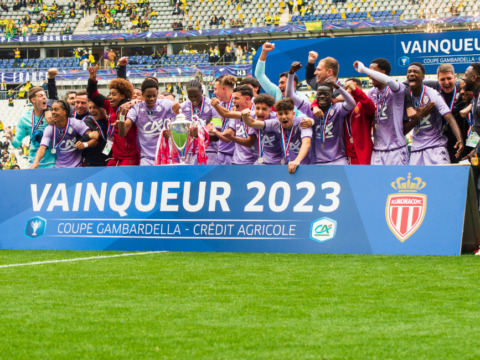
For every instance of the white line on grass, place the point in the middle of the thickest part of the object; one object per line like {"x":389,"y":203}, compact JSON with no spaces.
{"x":81,"y":259}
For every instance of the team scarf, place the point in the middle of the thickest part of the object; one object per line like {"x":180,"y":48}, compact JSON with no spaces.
{"x":323,"y":125}
{"x":201,"y":142}
{"x":166,"y":152}
{"x":39,"y":122}
{"x":56,"y":143}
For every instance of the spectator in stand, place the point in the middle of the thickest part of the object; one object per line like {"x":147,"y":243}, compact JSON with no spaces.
{"x":221,"y":20}
{"x":177,"y":10}
{"x":268,"y":19}
{"x":213,"y":20}
{"x":276,"y":20}
{"x":238,"y":53}
{"x":111,"y":58}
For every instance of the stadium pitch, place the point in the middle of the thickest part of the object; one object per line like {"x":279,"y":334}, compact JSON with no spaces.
{"x":92,"y":305}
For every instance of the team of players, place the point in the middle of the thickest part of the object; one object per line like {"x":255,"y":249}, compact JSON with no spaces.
{"x":341,"y":126}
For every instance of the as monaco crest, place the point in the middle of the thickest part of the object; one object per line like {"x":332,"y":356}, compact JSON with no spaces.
{"x":406,"y":209}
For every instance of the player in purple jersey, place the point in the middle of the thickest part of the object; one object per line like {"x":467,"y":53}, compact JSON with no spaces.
{"x":223,"y":89}
{"x":62,"y":135}
{"x":388,"y":95}
{"x":429,"y":142}
{"x":199,"y":105}
{"x":268,"y":147}
{"x":237,"y":132}
{"x":149,"y":116}
{"x":329,"y":141}
{"x":295,"y":141}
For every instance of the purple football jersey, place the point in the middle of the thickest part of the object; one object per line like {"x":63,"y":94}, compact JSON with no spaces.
{"x":68,"y":156}
{"x":329,"y":142}
{"x":274,"y":128}
{"x":388,"y":129}
{"x":242,"y":155}
{"x":428,"y":133}
{"x":150,"y":123}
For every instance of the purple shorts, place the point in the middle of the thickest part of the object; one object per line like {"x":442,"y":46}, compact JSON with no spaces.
{"x":393,"y":157}
{"x":432,"y":156}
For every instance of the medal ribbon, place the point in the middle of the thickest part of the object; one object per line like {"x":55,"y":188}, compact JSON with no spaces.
{"x":348,"y":123}
{"x":324,"y":123}
{"x":35,"y":126}
{"x":452,"y":103}
{"x":245,"y":127}
{"x":261,"y":143}
{"x":417,"y":127}
{"x":421,"y":97}
{"x":104,"y":136}
{"x":285,"y":142}
{"x":55,"y":143}
{"x":225,"y":122}
{"x":383,"y":104}
{"x":201,"y":109}
{"x":470,"y":124}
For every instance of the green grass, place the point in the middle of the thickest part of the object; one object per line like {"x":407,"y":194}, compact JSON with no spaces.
{"x":239,"y":306}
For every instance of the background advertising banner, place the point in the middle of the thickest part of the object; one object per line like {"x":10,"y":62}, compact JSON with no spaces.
{"x":459,"y":48}
{"x":319,"y":209}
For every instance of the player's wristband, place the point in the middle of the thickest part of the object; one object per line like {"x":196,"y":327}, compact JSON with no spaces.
{"x":122,"y":118}
{"x":85,"y":144}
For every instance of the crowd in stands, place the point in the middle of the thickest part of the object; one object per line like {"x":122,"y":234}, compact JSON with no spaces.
{"x":36,"y":16}
{"x":8,"y":158}
{"x":139,"y":13}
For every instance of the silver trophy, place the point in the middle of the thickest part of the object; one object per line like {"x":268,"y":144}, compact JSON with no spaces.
{"x":179,"y":130}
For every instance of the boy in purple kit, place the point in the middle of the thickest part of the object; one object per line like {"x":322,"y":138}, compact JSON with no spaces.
{"x":388,"y":95}
{"x":149,"y":117}
{"x":199,"y":105}
{"x":223,"y":89}
{"x":268,"y":147}
{"x":429,"y":142}
{"x":329,"y":141}
{"x":237,"y":132}
{"x":62,"y":135}
{"x":295,"y":141}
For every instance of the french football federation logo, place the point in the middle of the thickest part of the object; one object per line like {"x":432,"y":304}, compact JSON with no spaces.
{"x":405,"y":211}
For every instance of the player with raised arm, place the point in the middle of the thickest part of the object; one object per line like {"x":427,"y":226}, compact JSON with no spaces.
{"x":329,"y":140}
{"x":429,"y":142}
{"x":124,"y":151}
{"x":223,"y":89}
{"x":327,"y":68}
{"x":32,"y":124}
{"x":60,"y":138}
{"x":148,"y":116}
{"x":278,"y":92}
{"x":295,"y":141}
{"x":268,"y":145}
{"x":236,"y":131}
{"x":388,"y":95}
{"x":199,"y":105}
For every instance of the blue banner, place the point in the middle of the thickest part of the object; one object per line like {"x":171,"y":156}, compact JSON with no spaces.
{"x":319,"y":209}
{"x":23,"y":75}
{"x":300,"y":27}
{"x":459,"y":48}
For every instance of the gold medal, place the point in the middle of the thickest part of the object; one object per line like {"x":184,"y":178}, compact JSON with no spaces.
{"x":282,"y":162}
{"x":323,"y":145}
{"x":260,"y":160}
{"x":377,"y":126}
{"x":53,"y":151}
{"x":351,"y":140}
